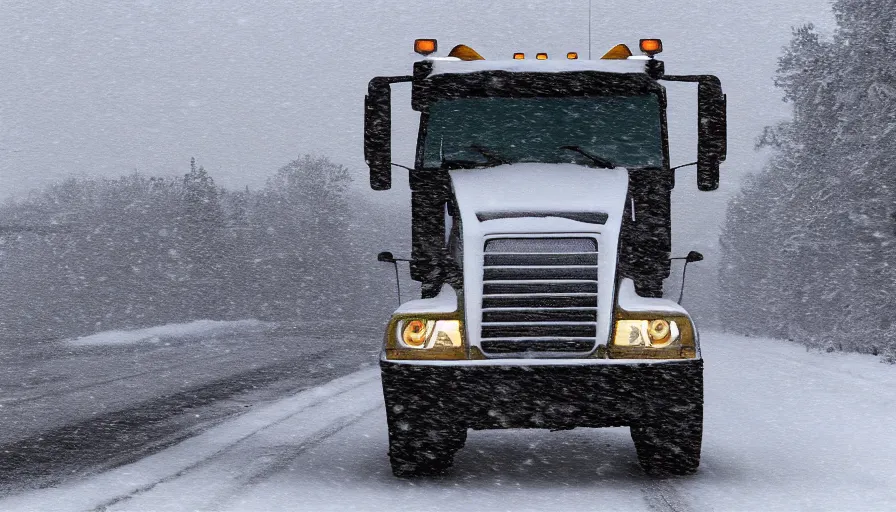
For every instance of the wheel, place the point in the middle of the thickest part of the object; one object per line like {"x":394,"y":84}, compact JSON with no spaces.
{"x":669,"y":444}
{"x":425,"y":451}
{"x":460,"y":437}
{"x":423,"y":438}
{"x":411,"y":455}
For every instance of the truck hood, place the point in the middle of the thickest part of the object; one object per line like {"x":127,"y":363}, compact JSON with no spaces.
{"x":541,"y":189}
{"x":533,"y":200}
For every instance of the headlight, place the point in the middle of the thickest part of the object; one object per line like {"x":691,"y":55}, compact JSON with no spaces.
{"x":414,"y":333}
{"x":658,"y":333}
{"x":425,"y":334}
{"x":672,"y":337}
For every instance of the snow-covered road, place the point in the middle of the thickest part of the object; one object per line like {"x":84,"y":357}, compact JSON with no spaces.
{"x":80,"y":407}
{"x":785,"y":429}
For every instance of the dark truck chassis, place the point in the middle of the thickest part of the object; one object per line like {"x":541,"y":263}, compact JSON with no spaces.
{"x":430,"y":407}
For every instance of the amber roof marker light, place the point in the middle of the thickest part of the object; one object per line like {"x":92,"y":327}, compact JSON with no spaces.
{"x":572,"y":55}
{"x":541,"y":56}
{"x":425,"y":46}
{"x":519,"y":56}
{"x":651,"y":47}
{"x":618,"y":52}
{"x":464,"y":52}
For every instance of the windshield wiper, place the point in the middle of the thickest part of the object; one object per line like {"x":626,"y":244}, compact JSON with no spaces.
{"x":603,"y":163}
{"x":489,"y":154}
{"x":448,"y":164}
{"x":491,"y":159}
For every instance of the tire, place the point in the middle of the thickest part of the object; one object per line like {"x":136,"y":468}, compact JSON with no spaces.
{"x":424,"y":452}
{"x":421,"y":442}
{"x":670,"y":443}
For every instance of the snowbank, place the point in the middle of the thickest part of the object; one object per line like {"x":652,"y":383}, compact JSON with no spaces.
{"x":155,"y":334}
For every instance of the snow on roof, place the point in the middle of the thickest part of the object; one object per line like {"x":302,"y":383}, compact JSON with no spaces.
{"x":450,"y":65}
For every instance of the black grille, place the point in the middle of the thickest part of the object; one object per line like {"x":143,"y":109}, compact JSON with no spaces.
{"x":539,"y":295}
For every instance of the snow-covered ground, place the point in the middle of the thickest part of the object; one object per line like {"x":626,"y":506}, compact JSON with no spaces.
{"x":785,"y":429}
{"x":77,"y":407}
{"x":49,"y":385}
{"x":159,"y":333}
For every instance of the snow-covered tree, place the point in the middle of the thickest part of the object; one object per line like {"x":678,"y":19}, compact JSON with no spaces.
{"x":809,"y":241}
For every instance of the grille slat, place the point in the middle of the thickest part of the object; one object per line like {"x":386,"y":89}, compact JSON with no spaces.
{"x":544,"y":272}
{"x":541,"y":330}
{"x":539,"y":295}
{"x":540,"y":315}
{"x":514,"y":346}
{"x":549,"y":301}
{"x":541,"y":245}
{"x":493,"y":288}
{"x":507,"y":259}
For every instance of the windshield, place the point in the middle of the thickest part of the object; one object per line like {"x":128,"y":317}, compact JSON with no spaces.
{"x":624,"y":130}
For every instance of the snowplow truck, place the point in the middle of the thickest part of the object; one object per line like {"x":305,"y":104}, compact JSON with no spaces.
{"x":541,"y":236}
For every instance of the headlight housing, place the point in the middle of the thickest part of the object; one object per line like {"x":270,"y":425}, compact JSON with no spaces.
{"x":652,"y":336}
{"x":419,"y":333}
{"x":425,"y":337}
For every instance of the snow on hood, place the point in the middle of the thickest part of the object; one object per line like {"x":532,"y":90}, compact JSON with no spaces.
{"x":538,"y":187}
{"x":629,"y":300}
{"x":444,"y":302}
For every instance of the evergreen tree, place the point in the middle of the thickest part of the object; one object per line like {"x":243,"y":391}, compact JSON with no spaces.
{"x":818,"y":263}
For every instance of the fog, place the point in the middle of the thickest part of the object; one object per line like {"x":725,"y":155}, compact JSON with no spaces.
{"x":106,"y":89}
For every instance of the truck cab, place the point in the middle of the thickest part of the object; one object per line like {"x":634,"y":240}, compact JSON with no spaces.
{"x":541,"y":231}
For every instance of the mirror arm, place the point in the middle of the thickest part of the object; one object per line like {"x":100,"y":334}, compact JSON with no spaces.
{"x":379,"y":81}
{"x":402,"y":166}
{"x":684,"y":272}
{"x":682,"y":165}
{"x":387,"y":257}
{"x":691,"y":78}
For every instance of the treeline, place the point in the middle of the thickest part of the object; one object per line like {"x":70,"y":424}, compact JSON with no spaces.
{"x":810,"y":242}
{"x":91,"y":254}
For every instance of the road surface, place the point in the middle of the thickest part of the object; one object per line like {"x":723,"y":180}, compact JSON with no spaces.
{"x":76,"y":408}
{"x":785,"y":429}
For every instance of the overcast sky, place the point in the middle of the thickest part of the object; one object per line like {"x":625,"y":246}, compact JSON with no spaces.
{"x":104,"y":88}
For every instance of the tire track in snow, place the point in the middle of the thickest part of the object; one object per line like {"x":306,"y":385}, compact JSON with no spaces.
{"x":127,"y":481}
{"x":662,"y":496}
{"x":315,"y":439}
{"x":96,"y":384}
{"x":281,"y":461}
{"x":124,"y":436}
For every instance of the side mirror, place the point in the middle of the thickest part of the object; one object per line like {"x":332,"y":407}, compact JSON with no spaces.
{"x":386,"y":257}
{"x":378,"y":133}
{"x":693,"y":256}
{"x":711,"y":132}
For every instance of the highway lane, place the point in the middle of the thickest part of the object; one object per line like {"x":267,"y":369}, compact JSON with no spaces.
{"x":79,"y":410}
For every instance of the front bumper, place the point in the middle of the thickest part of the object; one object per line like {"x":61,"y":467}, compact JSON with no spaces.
{"x":517,"y":394}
